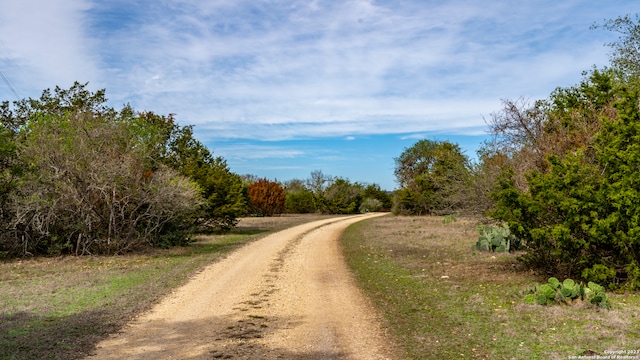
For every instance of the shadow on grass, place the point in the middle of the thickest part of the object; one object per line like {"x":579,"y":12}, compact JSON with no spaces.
{"x":249,"y":230}
{"x":27,"y":336}
{"x":214,"y":243}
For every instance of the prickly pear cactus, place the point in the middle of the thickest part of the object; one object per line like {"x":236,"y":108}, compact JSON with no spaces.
{"x":547,"y":294}
{"x":555,"y":283}
{"x":494,"y":238}
{"x":569,"y":289}
{"x":597,"y":295}
{"x":566,"y":292}
{"x":483,"y":244}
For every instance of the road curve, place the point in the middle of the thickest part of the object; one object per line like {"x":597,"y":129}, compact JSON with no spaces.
{"x":289,"y":295}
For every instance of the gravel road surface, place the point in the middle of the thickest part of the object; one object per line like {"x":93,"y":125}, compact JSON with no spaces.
{"x":289,"y":295}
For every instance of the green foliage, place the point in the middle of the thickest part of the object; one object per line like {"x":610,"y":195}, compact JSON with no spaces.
{"x":225,"y":195}
{"x":410,"y":202}
{"x":10,"y":169}
{"x":299,"y":199}
{"x":342,"y":197}
{"x":89,"y":190}
{"x":326,"y":194}
{"x":77,"y":176}
{"x":567,"y":292}
{"x":582,"y":216}
{"x":557,"y":201}
{"x":599,"y":273}
{"x":433,"y":178}
{"x":597,"y":295}
{"x":374,"y":192}
{"x":570,"y":188}
{"x":545,"y":295}
{"x":370,"y":205}
{"x":496,"y":238}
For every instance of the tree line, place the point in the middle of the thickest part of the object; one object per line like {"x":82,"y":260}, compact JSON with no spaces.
{"x":562,"y":172}
{"x":319,"y":193}
{"x":80,"y":177}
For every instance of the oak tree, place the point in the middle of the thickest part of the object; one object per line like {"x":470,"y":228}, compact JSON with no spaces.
{"x":431,"y":175}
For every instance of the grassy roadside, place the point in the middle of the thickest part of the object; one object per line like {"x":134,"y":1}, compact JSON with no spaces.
{"x":443,"y":300}
{"x":60,"y":308}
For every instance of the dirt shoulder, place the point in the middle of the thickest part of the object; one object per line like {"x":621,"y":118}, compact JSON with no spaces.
{"x":286,"y":296}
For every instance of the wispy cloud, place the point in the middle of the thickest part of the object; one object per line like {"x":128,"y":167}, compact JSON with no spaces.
{"x":300,"y":69}
{"x":273,"y":70}
{"x":42,"y":44}
{"x":413,"y":137}
{"x":247,"y":151}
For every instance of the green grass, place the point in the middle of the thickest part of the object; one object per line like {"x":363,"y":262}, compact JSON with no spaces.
{"x":444,"y":300}
{"x":60,"y":308}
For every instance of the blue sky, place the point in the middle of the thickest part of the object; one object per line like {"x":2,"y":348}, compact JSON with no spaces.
{"x":283,"y":88}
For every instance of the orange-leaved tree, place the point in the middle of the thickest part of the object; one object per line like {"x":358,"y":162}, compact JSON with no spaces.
{"x":266,"y":197}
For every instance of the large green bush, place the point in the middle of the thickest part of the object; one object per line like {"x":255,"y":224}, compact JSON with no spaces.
{"x":434,"y":177}
{"x":582,"y":216}
{"x":77,"y":176}
{"x":299,"y":202}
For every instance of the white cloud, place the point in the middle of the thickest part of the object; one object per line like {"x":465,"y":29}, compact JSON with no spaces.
{"x":44,"y":44}
{"x":290,"y":69}
{"x":414,"y":137}
{"x":246,"y":151}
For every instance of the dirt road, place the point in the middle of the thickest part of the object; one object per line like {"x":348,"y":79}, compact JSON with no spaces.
{"x":286,"y":296}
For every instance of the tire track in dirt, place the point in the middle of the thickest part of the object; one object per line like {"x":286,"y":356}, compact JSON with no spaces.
{"x":289,"y":295}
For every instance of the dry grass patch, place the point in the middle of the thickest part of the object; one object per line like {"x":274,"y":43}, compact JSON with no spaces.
{"x":444,"y":299}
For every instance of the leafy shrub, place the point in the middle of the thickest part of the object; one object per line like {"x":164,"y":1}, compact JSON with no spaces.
{"x":341,"y":197}
{"x":266,"y":197}
{"x":373,"y":191}
{"x":79,"y":177}
{"x":370,"y":205}
{"x":299,"y":202}
{"x":599,"y":273}
{"x":580,"y":217}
